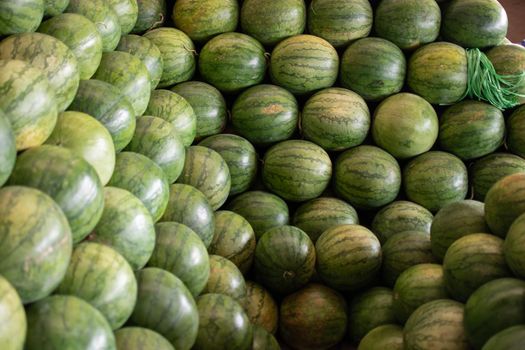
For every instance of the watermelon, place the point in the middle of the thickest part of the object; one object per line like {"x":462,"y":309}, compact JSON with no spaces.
{"x":232,"y":61}
{"x":304,"y":63}
{"x":284,"y":259}
{"x":202,"y":21}
{"x":175,"y":109}
{"x":511,"y":338}
{"x":516,"y":132}
{"x":265,"y":114}
{"x":438,"y":72}
{"x":207,"y":171}
{"x":513,"y":247}
{"x":151,"y":14}
{"x":13,"y":317}
{"x":260,"y":307}
{"x":403,"y":250}
{"x":87,"y":137}
{"x":437,"y":324}
{"x":408,"y":23}
{"x":189,"y":206}
{"x":374,"y":68}
{"x":296,"y":170}
{"x":225,"y":278}
{"x":233,"y":239}
{"x":319,"y":214}
{"x":81,"y":36}
{"x":240,"y":156}
{"x":367,"y":177}
{"x":417,"y":285}
{"x":166,"y":306}
{"x":102,"y":14}
{"x":180,"y":251}
{"x":208,"y":105}
{"x":147,"y":52}
{"x":32,"y":223}
{"x":262,"y":210}
{"x":7,"y":148}
{"x":68,"y":179}
{"x":127,"y":12}
{"x":340,"y":22}
{"x":103,"y":278}
{"x":263,"y":340}
{"x":126,"y":226}
{"x":400,"y":216}
{"x":313,"y":318}
{"x":368,"y":310}
{"x":222,"y":324}
{"x":462,"y":24}
{"x":178,"y":55}
{"x":388,"y":336}
{"x":22,"y":85}
{"x":509,"y":60}
{"x":20,"y":16}
{"x":435,"y":179}
{"x":54,"y":7}
{"x":486,"y":171}
{"x":67,"y":322}
{"x":129,"y":74}
{"x":348,"y":257}
{"x":335,"y":119}
{"x":138,"y":338}
{"x":494,"y":307}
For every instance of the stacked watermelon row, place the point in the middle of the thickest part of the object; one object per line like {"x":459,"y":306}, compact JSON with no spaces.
{"x":218,"y":174}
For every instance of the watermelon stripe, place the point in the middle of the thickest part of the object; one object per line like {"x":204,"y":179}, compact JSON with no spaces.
{"x":152,"y":14}
{"x":260,"y":307}
{"x":20,"y":16}
{"x":225,"y":278}
{"x":13,"y":317}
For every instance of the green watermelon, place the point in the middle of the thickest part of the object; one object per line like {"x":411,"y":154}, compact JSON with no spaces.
{"x":516,"y":132}
{"x":260,"y":307}
{"x":223,"y":325}
{"x":81,"y":36}
{"x":388,"y":336}
{"x":225,"y":278}
{"x":68,"y":179}
{"x":233,"y":239}
{"x":232,"y":61}
{"x":20,"y":16}
{"x":493,"y":307}
{"x":67,"y":322}
{"x":367,"y":177}
{"x":189,"y":206}
{"x":408,"y":23}
{"x":263,"y":340}
{"x":296,"y":170}
{"x":335,"y":119}
{"x":13,"y":317}
{"x":22,"y":85}
{"x":202,"y":21}
{"x":304,"y":63}
{"x":151,"y":14}
{"x":175,"y":109}
{"x":7,"y":148}
{"x":513,"y":247}
{"x":180,"y":251}
{"x":36,"y":242}
{"x":138,"y":338}
{"x":435,"y":179}
{"x":340,"y":22}
{"x":509,"y":60}
{"x":127,"y":13}
{"x":374,"y":68}
{"x":126,"y":226}
{"x":54,"y":7}
{"x":284,"y":259}
{"x":265,"y":114}
{"x":272,"y":21}
{"x":348,"y":257}
{"x":178,"y":55}
{"x":398,"y":217}
{"x":87,"y":137}
{"x":166,"y":306}
{"x":240,"y":156}
{"x":511,"y":338}
{"x":313,"y":318}
{"x":129,"y":74}
{"x":103,"y":278}
{"x":417,"y":285}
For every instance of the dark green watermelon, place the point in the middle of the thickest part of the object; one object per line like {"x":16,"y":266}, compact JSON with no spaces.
{"x":263,"y":340}
{"x":138,"y":338}
{"x":20,"y":16}
{"x":509,"y":59}
{"x":516,"y":132}
{"x":260,"y":307}
{"x":127,"y":12}
{"x":54,"y":7}
{"x":225,"y":278}
{"x":513,"y":248}
{"x":511,"y":338}
{"x":388,"y":336}
{"x":13,"y":317}
{"x":7,"y":148}
{"x":151,"y":14}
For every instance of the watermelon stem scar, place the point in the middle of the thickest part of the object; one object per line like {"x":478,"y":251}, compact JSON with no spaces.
{"x":288,"y":275}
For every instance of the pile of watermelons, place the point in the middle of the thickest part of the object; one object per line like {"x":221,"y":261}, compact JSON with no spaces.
{"x":223,"y":174}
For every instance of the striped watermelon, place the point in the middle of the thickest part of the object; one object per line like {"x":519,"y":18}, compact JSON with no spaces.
{"x":388,"y":336}
{"x":166,"y":306}
{"x":335,"y":119}
{"x":265,"y":114}
{"x":296,"y":170}
{"x":513,"y":247}
{"x":127,"y":12}
{"x":367,"y":177}
{"x":32,"y":223}
{"x":20,"y":16}
{"x":180,"y":251}
{"x":511,"y":338}
{"x":374,"y":68}
{"x":54,"y":7}
{"x":225,"y":278}
{"x":304,"y":63}
{"x":348,"y":257}
{"x":7,"y":148}
{"x":103,"y":278}
{"x":516,"y":132}
{"x":151,"y":14}
{"x":260,"y":307}
{"x":13,"y":317}
{"x":126,"y":226}
{"x":509,"y":59}
{"x":81,"y":36}
{"x":138,"y":338}
{"x":263,"y":340}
